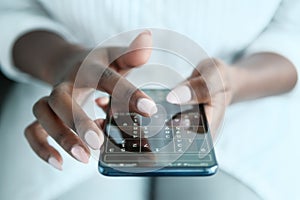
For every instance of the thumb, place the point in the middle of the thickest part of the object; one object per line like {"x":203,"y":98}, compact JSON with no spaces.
{"x":192,"y":91}
{"x":138,"y":52}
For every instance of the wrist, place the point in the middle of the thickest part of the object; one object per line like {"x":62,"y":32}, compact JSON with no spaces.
{"x":44,"y":55}
{"x":67,"y":62}
{"x":235,"y":78}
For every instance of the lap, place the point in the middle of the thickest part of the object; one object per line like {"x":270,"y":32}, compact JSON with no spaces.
{"x":220,"y":186}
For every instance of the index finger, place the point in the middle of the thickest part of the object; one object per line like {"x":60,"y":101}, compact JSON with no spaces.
{"x":123,"y":91}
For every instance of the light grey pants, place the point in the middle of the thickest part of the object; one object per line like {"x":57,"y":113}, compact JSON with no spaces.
{"x":221,"y":186}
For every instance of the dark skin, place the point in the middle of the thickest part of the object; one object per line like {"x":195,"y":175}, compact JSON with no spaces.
{"x":51,"y":59}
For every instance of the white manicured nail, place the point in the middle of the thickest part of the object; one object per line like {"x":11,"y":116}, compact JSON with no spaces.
{"x":79,"y":153}
{"x":104,"y":100}
{"x":181,"y":94}
{"x":92,"y":138}
{"x":54,"y":163}
{"x":146,"y":106}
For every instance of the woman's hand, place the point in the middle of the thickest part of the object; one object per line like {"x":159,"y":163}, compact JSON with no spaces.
{"x":59,"y":115}
{"x":217,"y":84}
{"x":210,"y":85}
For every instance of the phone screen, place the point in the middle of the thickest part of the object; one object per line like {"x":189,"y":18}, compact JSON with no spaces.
{"x":174,"y":141}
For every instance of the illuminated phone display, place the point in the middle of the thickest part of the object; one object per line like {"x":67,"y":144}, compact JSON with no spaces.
{"x":173,"y":142}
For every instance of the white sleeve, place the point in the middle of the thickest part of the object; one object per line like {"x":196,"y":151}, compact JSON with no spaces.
{"x":18,"y":17}
{"x":282,"y":35}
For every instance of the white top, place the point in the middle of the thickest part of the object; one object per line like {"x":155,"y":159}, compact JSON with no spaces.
{"x":224,"y":29}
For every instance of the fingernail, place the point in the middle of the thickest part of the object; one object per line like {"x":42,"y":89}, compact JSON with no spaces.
{"x":181,"y":94}
{"x":79,"y":153}
{"x":105,"y":100}
{"x":146,"y":106}
{"x":92,"y":138}
{"x":54,"y":163}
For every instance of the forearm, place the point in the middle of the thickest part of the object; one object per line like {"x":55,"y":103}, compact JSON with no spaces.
{"x":262,"y":74}
{"x":44,"y":55}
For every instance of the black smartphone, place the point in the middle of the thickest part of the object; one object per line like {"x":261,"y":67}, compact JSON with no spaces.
{"x":175,"y":141}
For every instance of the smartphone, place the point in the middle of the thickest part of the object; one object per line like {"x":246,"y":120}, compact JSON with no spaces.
{"x":175,"y":141}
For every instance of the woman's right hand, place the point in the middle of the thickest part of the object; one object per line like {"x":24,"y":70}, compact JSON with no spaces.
{"x":59,"y":115}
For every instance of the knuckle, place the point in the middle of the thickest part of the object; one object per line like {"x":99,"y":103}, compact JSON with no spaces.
{"x":61,"y":89}
{"x":65,"y":140}
{"x":68,"y":142}
{"x":123,"y":89}
{"x":216,"y":61}
{"x":31,"y":129}
{"x":82,"y":123}
{"x":59,"y":137}
{"x":200,"y":89}
{"x":41,"y":150}
{"x":27,"y":131}
{"x":219,"y":64}
{"x":131,"y":93}
{"x":39,"y":105}
{"x":57,"y":94}
{"x":78,"y":120}
{"x":210,"y":62}
{"x":107,"y":74}
{"x":108,"y":79}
